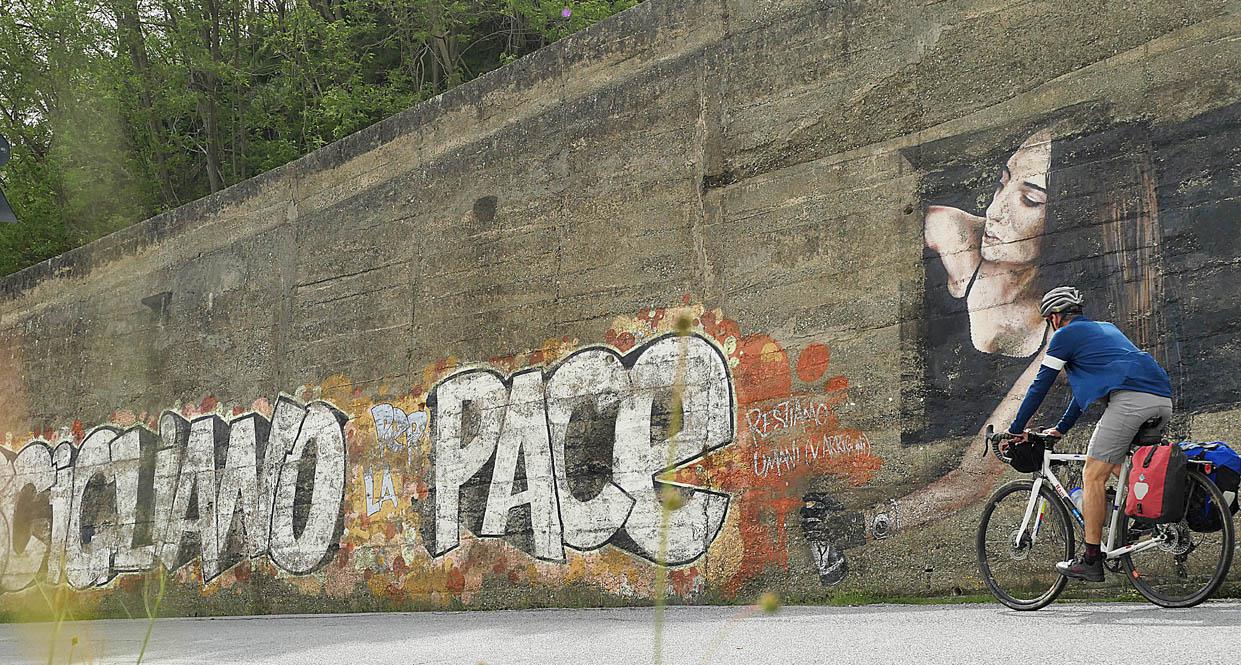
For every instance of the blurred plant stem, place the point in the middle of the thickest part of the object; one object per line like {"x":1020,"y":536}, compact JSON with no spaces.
{"x":669,"y":497}
{"x":152,"y":610}
{"x":58,"y":605}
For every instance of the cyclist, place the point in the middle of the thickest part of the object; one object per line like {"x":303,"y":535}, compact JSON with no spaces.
{"x":1102,"y":364}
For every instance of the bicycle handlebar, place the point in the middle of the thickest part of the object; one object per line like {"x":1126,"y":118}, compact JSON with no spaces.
{"x":993,"y":439}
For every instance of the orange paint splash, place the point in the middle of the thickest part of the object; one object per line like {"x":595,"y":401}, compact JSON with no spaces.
{"x":812,"y":362}
{"x":786,"y":439}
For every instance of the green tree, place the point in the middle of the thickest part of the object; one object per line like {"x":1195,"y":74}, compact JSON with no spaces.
{"x":71,"y":178}
{"x":120,"y":109}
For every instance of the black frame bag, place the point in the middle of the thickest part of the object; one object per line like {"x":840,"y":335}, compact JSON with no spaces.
{"x":1027,"y":456}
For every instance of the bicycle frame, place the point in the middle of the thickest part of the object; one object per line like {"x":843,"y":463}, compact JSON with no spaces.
{"x":1047,"y":475}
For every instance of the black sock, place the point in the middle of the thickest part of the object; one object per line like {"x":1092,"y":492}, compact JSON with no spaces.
{"x":1092,"y":553}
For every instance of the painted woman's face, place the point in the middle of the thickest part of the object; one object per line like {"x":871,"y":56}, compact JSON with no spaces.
{"x":1016,"y":218}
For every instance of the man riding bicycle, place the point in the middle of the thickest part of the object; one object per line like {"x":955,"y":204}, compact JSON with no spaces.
{"x":1101,"y":364}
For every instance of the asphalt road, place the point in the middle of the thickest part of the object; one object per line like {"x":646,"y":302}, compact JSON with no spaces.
{"x":1062,"y":633}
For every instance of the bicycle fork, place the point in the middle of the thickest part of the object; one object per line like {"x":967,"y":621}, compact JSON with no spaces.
{"x":1036,"y":498}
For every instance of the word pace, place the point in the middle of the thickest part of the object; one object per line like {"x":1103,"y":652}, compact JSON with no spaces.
{"x":575,"y":455}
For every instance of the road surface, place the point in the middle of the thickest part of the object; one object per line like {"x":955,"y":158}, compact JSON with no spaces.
{"x":952,"y":634}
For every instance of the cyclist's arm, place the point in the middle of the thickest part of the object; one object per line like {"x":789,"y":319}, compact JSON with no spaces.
{"x":1069,"y":418}
{"x":1047,"y":374}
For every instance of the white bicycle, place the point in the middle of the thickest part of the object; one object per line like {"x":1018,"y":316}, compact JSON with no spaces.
{"x":1025,"y":530}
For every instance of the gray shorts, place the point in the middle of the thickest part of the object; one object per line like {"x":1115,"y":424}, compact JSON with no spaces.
{"x":1125,"y":413}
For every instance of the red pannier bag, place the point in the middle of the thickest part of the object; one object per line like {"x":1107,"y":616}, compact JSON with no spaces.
{"x":1157,"y":484}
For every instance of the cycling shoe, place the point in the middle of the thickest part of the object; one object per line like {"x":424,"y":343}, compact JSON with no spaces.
{"x":1079,"y":569}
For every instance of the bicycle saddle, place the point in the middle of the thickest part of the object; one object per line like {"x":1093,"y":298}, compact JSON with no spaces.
{"x":1150,"y":433}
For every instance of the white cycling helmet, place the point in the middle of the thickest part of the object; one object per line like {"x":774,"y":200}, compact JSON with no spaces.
{"x":1060,"y":300}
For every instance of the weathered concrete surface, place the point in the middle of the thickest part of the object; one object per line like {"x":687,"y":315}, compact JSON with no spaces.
{"x":1068,"y":633}
{"x":482,"y":288}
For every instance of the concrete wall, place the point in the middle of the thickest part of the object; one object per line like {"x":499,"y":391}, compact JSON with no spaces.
{"x":431,"y":365}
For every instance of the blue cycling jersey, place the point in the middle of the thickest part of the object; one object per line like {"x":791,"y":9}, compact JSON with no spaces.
{"x":1099,"y":359}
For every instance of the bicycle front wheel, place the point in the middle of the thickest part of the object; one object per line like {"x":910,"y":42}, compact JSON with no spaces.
{"x":1019,"y":565}
{"x":1192,"y":556}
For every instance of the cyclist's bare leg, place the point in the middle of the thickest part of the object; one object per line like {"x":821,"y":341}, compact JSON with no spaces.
{"x":1089,"y":564}
{"x":1094,"y":496}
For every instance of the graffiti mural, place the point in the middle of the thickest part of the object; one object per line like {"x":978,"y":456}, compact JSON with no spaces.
{"x":1071,"y":203}
{"x":1069,"y":198}
{"x":126,"y":500}
{"x":499,"y":433}
{"x":554,"y":466}
{"x":376,"y":497}
{"x":697,"y":450}
{"x":396,"y":431}
{"x":791,"y":418}
{"x":829,"y":530}
{"x":676,"y":443}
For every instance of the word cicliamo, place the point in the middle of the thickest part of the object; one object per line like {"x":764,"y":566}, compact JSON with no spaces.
{"x":220,"y":491}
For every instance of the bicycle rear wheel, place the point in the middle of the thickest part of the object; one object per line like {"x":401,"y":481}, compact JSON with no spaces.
{"x":1188,"y":565}
{"x":1019,"y":566}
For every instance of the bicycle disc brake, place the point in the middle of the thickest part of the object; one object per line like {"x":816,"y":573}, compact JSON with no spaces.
{"x":1019,"y":545}
{"x":1175,"y":538}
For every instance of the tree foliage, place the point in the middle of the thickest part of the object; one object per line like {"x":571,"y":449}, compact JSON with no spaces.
{"x":120,"y":109}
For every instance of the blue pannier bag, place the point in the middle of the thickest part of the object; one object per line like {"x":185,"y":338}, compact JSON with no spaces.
{"x":1225,"y":473}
